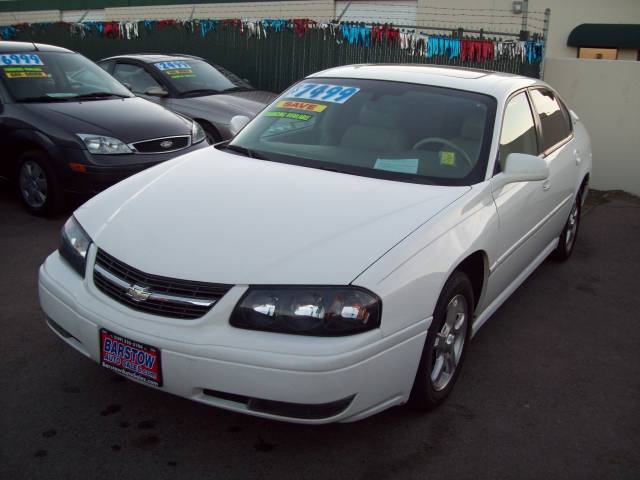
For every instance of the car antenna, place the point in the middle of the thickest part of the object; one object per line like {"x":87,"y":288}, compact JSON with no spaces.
{"x":13,"y":14}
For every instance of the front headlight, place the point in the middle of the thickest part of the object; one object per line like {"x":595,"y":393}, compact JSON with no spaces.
{"x":320,"y":311}
{"x":74,"y":245}
{"x":197,"y":133}
{"x":101,"y":145}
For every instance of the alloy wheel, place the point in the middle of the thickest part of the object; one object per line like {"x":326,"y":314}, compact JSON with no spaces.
{"x":33,"y":184}
{"x":449,"y":342}
{"x":572,"y":226}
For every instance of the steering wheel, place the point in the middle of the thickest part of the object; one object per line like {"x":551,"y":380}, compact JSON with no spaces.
{"x":443,"y":141}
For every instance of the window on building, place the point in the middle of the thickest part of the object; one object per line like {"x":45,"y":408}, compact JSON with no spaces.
{"x":598,"y":53}
{"x":518,"y":130}
{"x":553,"y":119}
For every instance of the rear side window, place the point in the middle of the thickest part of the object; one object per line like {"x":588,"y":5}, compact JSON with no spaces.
{"x":556,"y":126}
{"x":134,"y":76}
{"x":518,"y":130}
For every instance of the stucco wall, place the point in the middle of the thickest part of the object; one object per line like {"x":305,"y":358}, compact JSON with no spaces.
{"x":604,"y":94}
{"x":323,"y":9}
{"x":565,"y":16}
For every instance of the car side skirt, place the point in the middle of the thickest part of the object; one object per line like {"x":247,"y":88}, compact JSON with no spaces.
{"x":506,"y":293}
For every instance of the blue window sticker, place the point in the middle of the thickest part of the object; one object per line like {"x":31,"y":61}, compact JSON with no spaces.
{"x":25,"y":59}
{"x":399,"y":165}
{"x":323,"y":91}
{"x":173,"y":65}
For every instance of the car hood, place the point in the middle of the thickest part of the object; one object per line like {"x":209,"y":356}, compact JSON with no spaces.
{"x":248,"y":103}
{"x":217,"y":217}
{"x":128,"y":119}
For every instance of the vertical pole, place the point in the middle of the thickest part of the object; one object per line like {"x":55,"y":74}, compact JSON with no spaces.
{"x":545,"y":39}
{"x":343,"y":12}
{"x":525,"y":14}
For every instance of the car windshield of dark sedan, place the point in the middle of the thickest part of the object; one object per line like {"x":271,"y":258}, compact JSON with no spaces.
{"x":193,"y":75}
{"x":384,"y":129}
{"x":56,"y":77}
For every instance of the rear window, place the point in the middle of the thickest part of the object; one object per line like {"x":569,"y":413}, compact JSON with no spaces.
{"x":556,"y":126}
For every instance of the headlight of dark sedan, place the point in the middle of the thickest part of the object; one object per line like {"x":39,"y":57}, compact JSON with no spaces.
{"x":320,"y":311}
{"x":102,"y":145}
{"x":197,"y":133}
{"x":74,"y":245}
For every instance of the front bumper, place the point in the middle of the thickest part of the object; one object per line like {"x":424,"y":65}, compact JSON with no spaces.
{"x":111,"y":170}
{"x":299,"y":379}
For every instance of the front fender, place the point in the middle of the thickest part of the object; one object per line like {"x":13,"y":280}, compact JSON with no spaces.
{"x":410,"y":277}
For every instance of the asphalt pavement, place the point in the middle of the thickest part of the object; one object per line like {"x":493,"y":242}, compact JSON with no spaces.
{"x":550,"y":388}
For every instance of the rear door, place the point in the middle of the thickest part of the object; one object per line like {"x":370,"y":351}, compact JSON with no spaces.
{"x":558,"y":146}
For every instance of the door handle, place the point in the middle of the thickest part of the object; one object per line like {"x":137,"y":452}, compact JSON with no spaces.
{"x":576,"y":155}
{"x":546,"y":185}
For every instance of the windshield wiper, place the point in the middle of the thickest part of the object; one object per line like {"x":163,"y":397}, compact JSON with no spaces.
{"x":200,"y":91}
{"x":238,"y":89}
{"x":43,"y":98}
{"x":247,"y":152}
{"x":98,"y":95}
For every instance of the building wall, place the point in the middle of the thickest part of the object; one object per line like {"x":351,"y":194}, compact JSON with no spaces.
{"x":246,"y":10}
{"x":13,"y":17}
{"x":604,"y":94}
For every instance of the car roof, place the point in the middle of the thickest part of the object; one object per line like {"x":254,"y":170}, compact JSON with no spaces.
{"x":152,"y":57}
{"x":496,"y":84}
{"x":7,"y":46}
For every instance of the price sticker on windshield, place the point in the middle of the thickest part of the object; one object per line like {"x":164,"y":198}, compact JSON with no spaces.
{"x":323,"y":92}
{"x":174,"y":65}
{"x":9,"y":60}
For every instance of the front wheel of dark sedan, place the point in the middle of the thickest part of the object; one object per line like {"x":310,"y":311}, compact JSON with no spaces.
{"x":38,"y":186}
{"x":445,"y":346}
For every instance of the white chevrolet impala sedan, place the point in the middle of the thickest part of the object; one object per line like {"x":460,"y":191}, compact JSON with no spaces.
{"x":337,"y":256}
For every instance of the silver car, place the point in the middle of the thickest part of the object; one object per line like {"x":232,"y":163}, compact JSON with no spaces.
{"x":209,"y":94}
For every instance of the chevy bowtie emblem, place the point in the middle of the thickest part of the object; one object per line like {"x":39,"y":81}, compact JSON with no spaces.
{"x":166,"y":144}
{"x":138,"y":293}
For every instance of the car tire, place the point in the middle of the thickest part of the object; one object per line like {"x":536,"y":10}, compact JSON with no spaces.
{"x":37,"y":184}
{"x":569,"y":235}
{"x":445,"y":346}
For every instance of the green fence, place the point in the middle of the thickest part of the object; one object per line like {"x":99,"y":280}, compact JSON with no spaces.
{"x":272,"y":62}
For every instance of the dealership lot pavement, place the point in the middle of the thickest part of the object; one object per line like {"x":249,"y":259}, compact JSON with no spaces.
{"x":550,"y":388}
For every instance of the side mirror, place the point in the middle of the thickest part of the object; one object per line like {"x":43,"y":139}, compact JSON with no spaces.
{"x":156,"y":92}
{"x":521,"y":167}
{"x":238,"y":123}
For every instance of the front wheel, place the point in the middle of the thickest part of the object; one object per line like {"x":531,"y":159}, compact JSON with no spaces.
{"x":445,"y":345}
{"x":38,"y":185}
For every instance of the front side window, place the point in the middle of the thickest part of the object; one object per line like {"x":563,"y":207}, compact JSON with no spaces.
{"x":518,"y":130}
{"x":553,"y":120}
{"x":134,"y":76}
{"x":55,"y":76}
{"x":383,"y":129}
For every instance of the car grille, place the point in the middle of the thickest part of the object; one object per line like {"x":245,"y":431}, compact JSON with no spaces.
{"x":167,"y":297}
{"x":162,"y":145}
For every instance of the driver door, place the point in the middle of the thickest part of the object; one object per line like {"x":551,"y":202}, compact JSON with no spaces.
{"x":521,"y":206}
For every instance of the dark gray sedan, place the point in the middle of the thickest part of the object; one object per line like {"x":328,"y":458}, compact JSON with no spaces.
{"x":189,"y":85}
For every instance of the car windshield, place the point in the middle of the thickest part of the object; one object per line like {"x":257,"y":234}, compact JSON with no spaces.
{"x":56,"y":77}
{"x":191,"y":75}
{"x":384,"y":129}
